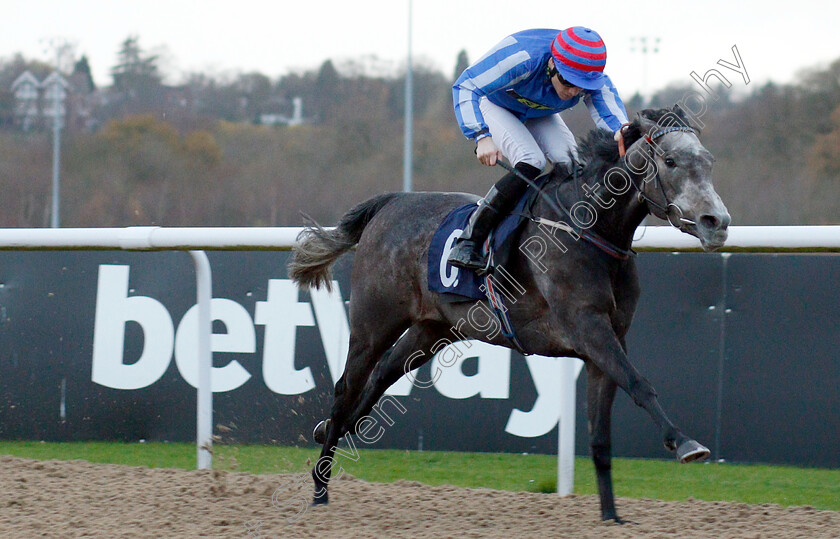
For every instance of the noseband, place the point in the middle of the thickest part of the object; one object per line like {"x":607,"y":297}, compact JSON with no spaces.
{"x":643,"y":197}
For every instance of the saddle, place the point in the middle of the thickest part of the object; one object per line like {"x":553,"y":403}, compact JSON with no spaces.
{"x":459,"y":284}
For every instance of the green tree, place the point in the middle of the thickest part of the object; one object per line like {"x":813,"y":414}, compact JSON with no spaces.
{"x":216,"y":99}
{"x":255,"y":93}
{"x":461,"y":63}
{"x":81,"y":70}
{"x":823,"y":168}
{"x":328,"y":91}
{"x":147,"y":146}
{"x":137,"y":79}
{"x":824,"y":155}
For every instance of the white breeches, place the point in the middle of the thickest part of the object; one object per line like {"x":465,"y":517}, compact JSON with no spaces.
{"x":535,"y":141}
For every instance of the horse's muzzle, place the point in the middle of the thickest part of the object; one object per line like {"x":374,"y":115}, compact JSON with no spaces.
{"x":712,"y":230}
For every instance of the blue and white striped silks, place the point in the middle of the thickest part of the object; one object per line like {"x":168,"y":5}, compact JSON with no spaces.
{"x":514,"y":75}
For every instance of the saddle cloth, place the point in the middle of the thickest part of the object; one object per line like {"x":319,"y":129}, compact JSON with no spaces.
{"x":461,"y":284}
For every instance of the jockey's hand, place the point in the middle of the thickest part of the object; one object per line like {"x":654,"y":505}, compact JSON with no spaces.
{"x":487,"y":152}
{"x":619,"y":137}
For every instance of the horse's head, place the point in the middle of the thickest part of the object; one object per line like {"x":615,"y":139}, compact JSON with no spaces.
{"x":676,"y":176}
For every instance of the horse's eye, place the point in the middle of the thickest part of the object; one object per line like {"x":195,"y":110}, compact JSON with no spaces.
{"x":670,"y":163}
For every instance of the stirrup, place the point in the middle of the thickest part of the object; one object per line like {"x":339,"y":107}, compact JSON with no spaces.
{"x":481,"y":270}
{"x":477,"y":262}
{"x":488,"y":268}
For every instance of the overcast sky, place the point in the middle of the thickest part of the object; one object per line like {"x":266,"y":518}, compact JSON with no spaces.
{"x":275,"y":37}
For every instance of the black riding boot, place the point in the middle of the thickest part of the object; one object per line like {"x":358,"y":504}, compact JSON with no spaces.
{"x":499,"y":201}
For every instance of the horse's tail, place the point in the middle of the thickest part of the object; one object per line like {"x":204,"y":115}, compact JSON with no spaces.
{"x":319,"y":248}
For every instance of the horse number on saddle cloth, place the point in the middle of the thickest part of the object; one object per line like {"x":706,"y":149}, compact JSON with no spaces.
{"x":447,"y":279}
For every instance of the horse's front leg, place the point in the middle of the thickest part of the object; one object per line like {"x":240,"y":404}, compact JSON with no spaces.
{"x":599,"y":344}
{"x":600,"y":393}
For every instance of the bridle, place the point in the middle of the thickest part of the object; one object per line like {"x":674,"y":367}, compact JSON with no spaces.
{"x":643,"y":197}
{"x":593,"y":238}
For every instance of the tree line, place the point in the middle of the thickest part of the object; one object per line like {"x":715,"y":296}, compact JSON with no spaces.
{"x":199,"y":154}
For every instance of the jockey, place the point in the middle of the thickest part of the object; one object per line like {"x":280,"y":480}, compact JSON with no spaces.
{"x":509,"y":101}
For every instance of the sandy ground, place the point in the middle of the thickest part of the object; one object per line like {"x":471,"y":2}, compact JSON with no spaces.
{"x":80,"y":499}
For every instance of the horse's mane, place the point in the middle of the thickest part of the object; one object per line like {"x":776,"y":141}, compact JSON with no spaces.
{"x":598,"y":150}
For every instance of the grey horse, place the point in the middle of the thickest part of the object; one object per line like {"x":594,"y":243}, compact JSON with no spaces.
{"x":578,"y":281}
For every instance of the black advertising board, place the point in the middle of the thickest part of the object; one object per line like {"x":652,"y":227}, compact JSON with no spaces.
{"x":101,"y":345}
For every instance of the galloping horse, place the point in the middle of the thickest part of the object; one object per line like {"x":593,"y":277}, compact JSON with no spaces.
{"x":580,"y":292}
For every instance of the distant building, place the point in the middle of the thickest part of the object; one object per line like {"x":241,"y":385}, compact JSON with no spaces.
{"x":280,"y":119}
{"x":35,"y":102}
{"x":54,"y":94}
{"x":27,"y":92}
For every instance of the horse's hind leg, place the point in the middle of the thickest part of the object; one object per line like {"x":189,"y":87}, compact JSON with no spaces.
{"x":410,"y":352}
{"x":366,"y":348}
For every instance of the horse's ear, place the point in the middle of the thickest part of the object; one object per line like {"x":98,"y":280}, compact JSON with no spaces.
{"x":677,"y":109}
{"x":641,"y":126}
{"x":680,"y":113}
{"x":632,"y":132}
{"x":646,"y":125}
{"x":636,"y":159}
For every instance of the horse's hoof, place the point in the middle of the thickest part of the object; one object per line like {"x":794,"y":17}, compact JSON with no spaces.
{"x":321,"y":498}
{"x":319,"y":434}
{"x":690,"y":450}
{"x":613,"y":517}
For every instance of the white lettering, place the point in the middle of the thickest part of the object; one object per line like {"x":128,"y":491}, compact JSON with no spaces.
{"x":738,"y":66}
{"x":547,"y":373}
{"x":704,"y":81}
{"x":114,"y":308}
{"x":491,"y":381}
{"x":333,"y":326}
{"x":281,"y":313}
{"x":449,"y":274}
{"x":534,"y":248}
{"x":240,"y":338}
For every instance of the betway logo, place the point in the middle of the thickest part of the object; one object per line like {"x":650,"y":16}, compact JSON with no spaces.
{"x":282,"y":313}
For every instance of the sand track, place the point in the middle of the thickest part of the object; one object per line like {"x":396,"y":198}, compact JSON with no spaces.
{"x":80,"y":499}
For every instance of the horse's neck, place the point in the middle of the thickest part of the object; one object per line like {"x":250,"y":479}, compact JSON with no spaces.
{"x":623,"y":218}
{"x":616,"y":216}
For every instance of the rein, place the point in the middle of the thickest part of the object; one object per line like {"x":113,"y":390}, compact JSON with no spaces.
{"x":593,"y":238}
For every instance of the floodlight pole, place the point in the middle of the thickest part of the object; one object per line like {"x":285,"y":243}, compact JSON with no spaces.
{"x":54,"y":214}
{"x":409,"y":113}
{"x":647,"y":46}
